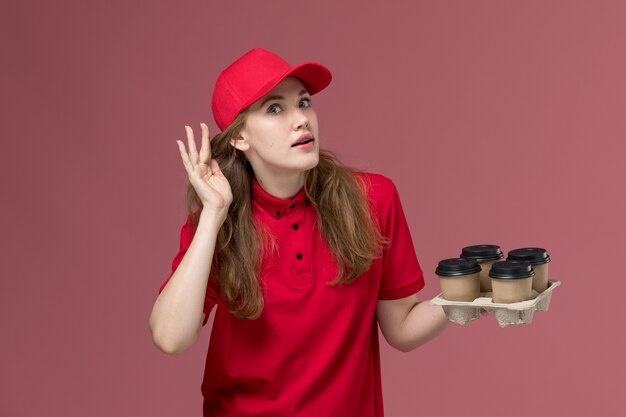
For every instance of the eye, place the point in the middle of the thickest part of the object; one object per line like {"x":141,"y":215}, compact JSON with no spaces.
{"x":273,"y":107}
{"x":306,"y":101}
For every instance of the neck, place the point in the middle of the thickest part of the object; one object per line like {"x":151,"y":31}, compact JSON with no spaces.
{"x":284,"y":186}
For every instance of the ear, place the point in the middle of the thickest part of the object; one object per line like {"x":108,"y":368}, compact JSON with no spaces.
{"x":239,"y":142}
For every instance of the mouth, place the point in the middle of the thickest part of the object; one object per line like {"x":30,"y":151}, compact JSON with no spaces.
{"x":304,"y":139}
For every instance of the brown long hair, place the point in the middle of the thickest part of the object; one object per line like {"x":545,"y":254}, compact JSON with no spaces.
{"x":336,"y":192}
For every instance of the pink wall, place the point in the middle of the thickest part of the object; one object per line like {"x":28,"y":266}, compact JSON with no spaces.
{"x":514,"y":108}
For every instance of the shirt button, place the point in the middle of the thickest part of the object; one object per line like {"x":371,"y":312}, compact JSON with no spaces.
{"x":306,"y":202}
{"x":278,"y":214}
{"x":295,"y":227}
{"x":299,"y":256}
{"x":293,"y":205}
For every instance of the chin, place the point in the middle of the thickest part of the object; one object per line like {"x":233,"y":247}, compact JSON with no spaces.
{"x":313,"y":163}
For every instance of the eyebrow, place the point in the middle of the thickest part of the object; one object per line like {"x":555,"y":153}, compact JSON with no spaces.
{"x":301,"y":93}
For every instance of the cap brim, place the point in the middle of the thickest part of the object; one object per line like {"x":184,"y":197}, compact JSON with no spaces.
{"x":314,"y":76}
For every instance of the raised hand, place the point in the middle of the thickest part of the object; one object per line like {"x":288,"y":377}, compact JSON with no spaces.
{"x":206,"y":177}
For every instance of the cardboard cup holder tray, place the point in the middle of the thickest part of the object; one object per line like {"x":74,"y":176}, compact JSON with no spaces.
{"x":462,"y":312}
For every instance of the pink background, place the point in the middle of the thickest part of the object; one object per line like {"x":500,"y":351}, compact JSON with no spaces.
{"x":499,"y":121}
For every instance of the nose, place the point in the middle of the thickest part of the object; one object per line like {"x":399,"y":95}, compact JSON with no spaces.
{"x":300,"y":120}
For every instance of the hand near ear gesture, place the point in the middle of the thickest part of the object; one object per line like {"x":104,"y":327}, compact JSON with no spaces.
{"x":204,"y":173}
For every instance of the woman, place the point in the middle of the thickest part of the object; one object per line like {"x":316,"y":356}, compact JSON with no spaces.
{"x":302,"y":256}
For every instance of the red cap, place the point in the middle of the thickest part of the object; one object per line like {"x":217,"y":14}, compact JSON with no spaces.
{"x":255,"y":74}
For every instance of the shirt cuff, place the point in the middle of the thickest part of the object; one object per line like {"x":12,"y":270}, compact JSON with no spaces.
{"x":402,"y":292}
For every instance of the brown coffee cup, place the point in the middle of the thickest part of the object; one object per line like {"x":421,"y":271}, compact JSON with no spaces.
{"x":459,"y":279}
{"x":486,"y":256}
{"x":539,"y":259}
{"x":512,"y":281}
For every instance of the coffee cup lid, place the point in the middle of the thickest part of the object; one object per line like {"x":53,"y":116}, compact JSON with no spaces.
{"x":482,"y":253}
{"x":456,"y":267}
{"x":511,"y":270}
{"x":536,"y":256}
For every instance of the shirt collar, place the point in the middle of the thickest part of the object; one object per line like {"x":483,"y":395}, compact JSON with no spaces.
{"x":277,"y":207}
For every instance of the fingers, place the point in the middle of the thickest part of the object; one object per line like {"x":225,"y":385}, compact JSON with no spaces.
{"x":193,"y":152}
{"x":215,"y":168}
{"x":192,"y":160}
{"x":183,"y":154}
{"x":205,"y":149}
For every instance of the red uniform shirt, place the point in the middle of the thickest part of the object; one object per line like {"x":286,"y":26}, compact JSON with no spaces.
{"x":314,"y":350}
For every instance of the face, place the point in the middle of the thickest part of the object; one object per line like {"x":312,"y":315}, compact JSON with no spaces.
{"x":273,"y":125}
